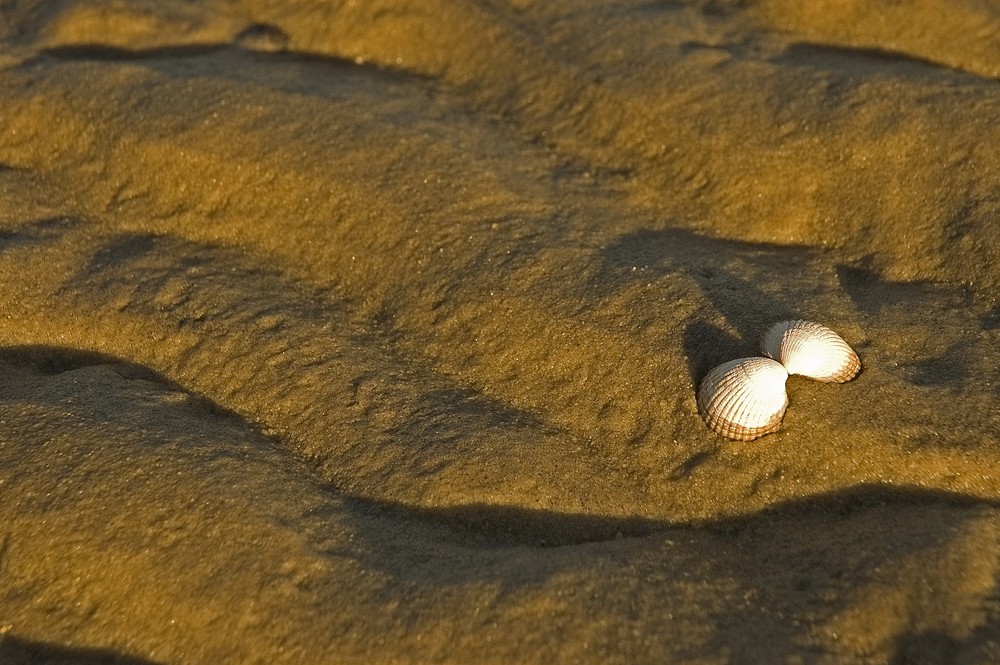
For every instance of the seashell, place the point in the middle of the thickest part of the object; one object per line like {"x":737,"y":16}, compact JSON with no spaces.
{"x":745,"y":398}
{"x":812,"y":350}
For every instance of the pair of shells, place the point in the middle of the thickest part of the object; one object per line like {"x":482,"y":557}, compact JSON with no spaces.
{"x":745,"y":398}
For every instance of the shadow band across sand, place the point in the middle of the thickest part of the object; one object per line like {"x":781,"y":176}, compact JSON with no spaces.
{"x":505,"y":526}
{"x":15,"y":650}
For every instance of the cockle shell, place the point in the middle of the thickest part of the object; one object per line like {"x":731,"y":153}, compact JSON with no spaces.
{"x":745,"y":398}
{"x":811,"y":350}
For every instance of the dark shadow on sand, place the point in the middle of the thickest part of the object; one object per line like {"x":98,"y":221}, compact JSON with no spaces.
{"x":739,"y":278}
{"x":862,"y":62}
{"x":35,"y":232}
{"x":871,"y":293}
{"x":952,"y":368}
{"x":15,"y":650}
{"x":750,"y":284}
{"x":257,"y":56}
{"x":706,"y":346}
{"x":991,"y":321}
{"x":508,"y":526}
{"x":52,"y":360}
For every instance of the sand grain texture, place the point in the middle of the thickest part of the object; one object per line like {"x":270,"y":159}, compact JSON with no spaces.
{"x":344,"y":332}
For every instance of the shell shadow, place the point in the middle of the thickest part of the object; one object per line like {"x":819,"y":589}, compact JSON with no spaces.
{"x":750,"y":284}
{"x":706,"y":346}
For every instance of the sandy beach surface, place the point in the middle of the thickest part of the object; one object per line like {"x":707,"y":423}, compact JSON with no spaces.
{"x":369,"y":331}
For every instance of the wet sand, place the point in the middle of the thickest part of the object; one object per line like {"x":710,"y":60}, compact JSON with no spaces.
{"x":369,"y":331}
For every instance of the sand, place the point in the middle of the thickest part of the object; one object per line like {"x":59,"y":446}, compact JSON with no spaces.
{"x":368,"y":331}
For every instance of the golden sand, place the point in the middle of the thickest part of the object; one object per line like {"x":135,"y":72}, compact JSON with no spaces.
{"x":369,"y":330}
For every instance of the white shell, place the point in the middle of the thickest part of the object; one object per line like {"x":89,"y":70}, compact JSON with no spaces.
{"x":745,"y":398}
{"x":812,"y":350}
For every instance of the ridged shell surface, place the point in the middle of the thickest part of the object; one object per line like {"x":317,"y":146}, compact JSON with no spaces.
{"x":812,"y":350}
{"x":745,"y":398}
